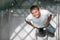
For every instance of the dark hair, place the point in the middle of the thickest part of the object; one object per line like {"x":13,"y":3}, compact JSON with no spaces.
{"x":34,"y":6}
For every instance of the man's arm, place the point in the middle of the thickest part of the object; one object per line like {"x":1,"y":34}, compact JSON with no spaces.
{"x":30,"y":24}
{"x":48,"y":20}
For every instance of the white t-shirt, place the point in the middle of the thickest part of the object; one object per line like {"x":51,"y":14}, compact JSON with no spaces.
{"x":39,"y":22}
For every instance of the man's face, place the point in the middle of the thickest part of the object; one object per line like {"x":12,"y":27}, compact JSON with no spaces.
{"x":35,"y":12}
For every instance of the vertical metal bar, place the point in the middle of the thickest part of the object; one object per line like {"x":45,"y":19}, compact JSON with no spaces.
{"x":9,"y":23}
{"x":36,"y":35}
{"x":58,"y":26}
{"x":47,"y":36}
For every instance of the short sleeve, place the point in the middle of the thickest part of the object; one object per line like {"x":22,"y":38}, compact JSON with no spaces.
{"x":49,"y":13}
{"x":28,"y":18}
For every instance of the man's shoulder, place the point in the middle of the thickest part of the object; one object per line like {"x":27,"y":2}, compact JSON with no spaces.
{"x":44,"y":10}
{"x":29,"y":16}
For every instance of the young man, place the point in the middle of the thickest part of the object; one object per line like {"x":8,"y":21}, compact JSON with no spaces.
{"x":38,"y":18}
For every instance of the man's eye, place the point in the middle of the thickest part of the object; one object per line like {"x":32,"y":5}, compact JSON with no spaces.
{"x":35,"y":11}
{"x":32,"y":13}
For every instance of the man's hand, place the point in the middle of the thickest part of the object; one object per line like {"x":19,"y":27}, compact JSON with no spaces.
{"x":46,"y":24}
